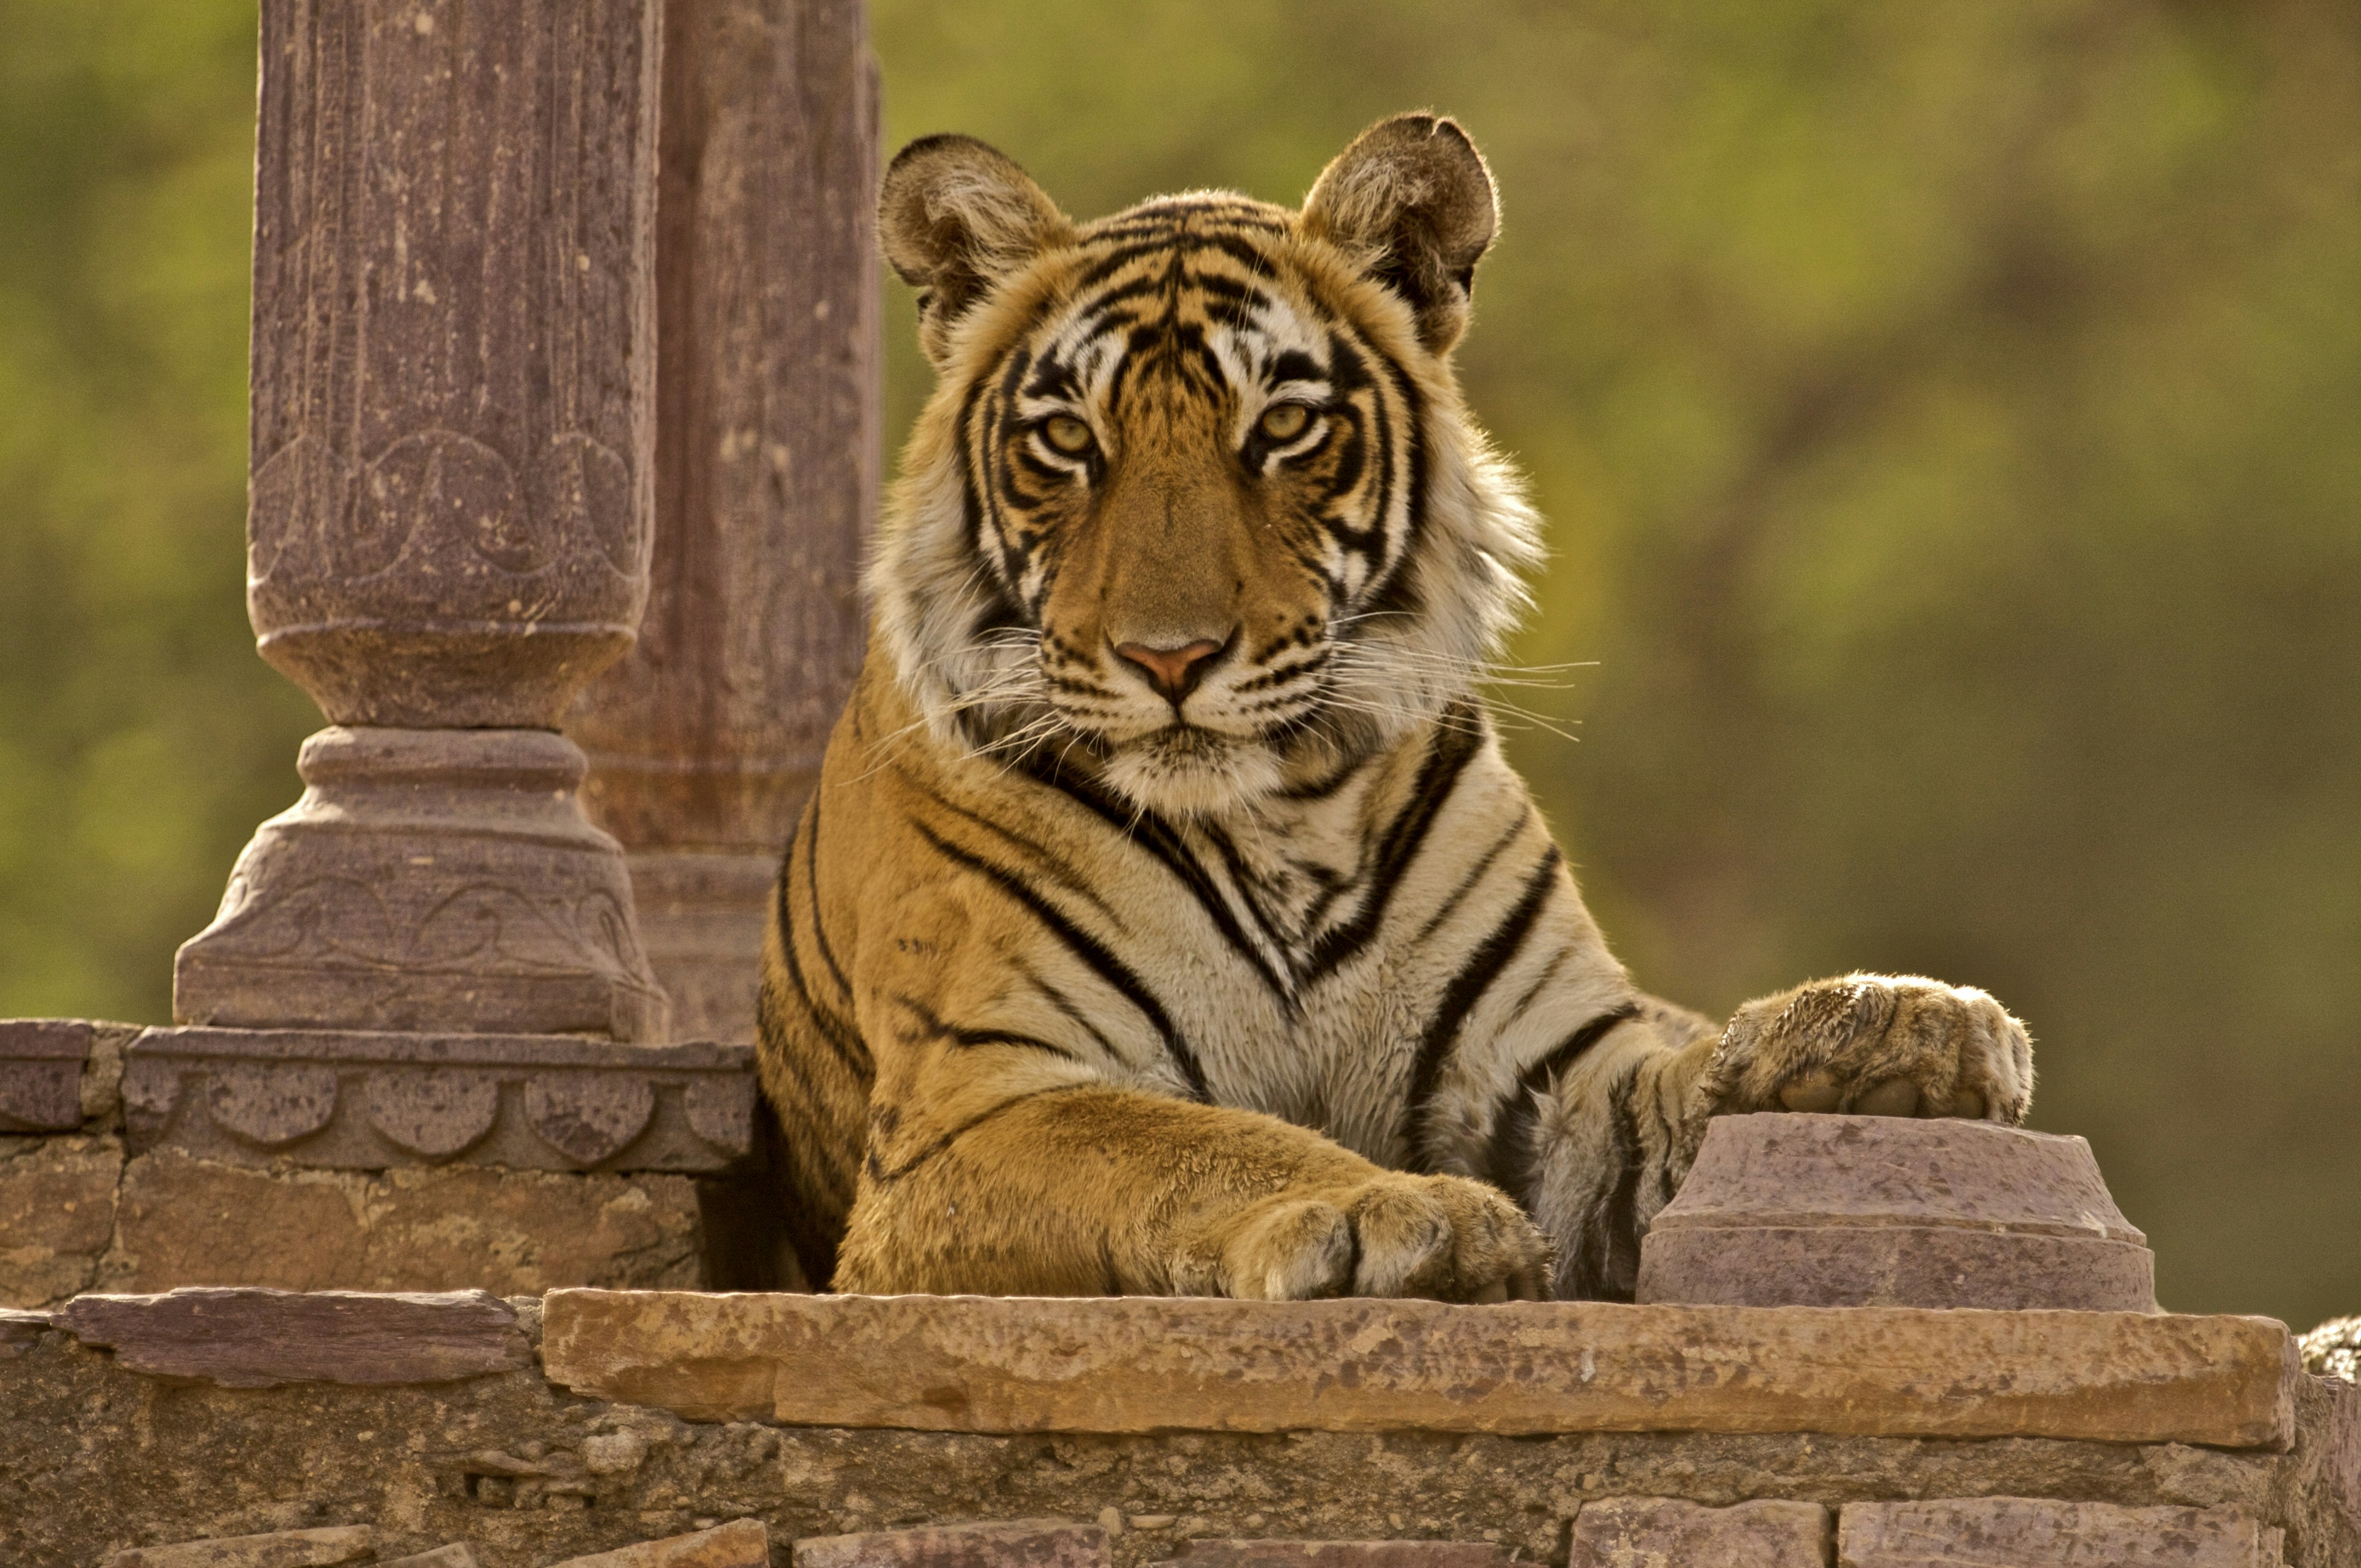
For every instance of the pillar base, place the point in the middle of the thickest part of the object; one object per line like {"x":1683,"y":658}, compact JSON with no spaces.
{"x":428,"y":879}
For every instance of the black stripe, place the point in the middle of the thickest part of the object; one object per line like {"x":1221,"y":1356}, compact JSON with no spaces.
{"x":1618,"y":1269}
{"x":846,"y":1043}
{"x":811,"y":880}
{"x":1064,"y":1004}
{"x":1153,"y":834}
{"x":1475,"y":975}
{"x":1475,"y":874}
{"x":1068,"y":879}
{"x":1457,"y":740}
{"x":968,"y":1039}
{"x":1512,"y":1163}
{"x":1090,"y":949}
{"x":876,"y":1167}
{"x":1321,"y":788}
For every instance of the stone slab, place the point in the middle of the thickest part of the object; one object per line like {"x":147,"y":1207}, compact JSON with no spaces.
{"x":19,"y":1330}
{"x":57,"y":1216}
{"x":184,"y":1220}
{"x":458,"y":1554}
{"x":1783,"y":1209}
{"x":41,"y":1074}
{"x":741,"y":1543}
{"x":1895,"y":1265}
{"x":1129,"y":1364}
{"x":2007,"y":1532}
{"x":369,"y":1101}
{"x":278,"y":1548}
{"x":1013,"y":1544}
{"x":1234,"y":1553}
{"x":1662,"y":1532}
{"x":255,"y":1338}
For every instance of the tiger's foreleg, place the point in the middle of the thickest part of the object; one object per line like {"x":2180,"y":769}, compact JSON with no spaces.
{"x":1085,"y":1188}
{"x":1608,"y":1141}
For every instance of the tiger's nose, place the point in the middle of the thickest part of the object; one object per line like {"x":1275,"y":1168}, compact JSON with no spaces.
{"x":1172,"y":670}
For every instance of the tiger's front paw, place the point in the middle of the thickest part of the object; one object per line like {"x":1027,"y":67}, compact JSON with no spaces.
{"x":1873,"y":1045}
{"x":1444,"y":1237}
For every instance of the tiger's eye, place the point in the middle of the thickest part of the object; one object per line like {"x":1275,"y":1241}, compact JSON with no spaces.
{"x":1067,"y":433}
{"x":1285,"y":422}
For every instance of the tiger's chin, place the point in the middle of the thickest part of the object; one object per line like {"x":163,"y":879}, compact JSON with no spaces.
{"x":1183,"y":770}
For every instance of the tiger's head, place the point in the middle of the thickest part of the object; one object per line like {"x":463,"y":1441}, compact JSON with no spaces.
{"x":1196,"y":498}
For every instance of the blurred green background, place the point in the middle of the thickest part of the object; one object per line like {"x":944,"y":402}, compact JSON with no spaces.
{"x":1950,"y":419}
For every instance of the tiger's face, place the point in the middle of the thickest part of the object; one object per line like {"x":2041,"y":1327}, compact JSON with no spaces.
{"x":1196,"y":498}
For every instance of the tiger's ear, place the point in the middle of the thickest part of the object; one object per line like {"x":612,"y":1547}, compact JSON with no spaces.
{"x":955,"y":216}
{"x":1413,"y":199}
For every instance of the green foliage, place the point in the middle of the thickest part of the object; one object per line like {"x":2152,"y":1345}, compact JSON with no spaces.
{"x":1944,"y":413}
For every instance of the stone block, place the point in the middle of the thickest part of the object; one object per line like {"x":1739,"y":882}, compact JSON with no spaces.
{"x":369,"y":1101}
{"x":56,"y":1215}
{"x":19,"y":1331}
{"x":41,"y":1074}
{"x":2007,"y":1532}
{"x":1893,"y":1212}
{"x":741,"y":1543}
{"x":256,"y":1338}
{"x":456,"y":1555}
{"x":194,"y":1221}
{"x":1014,"y":1543}
{"x":1134,"y":1364}
{"x":1662,"y":1532}
{"x":1341,"y":1554}
{"x":280,"y":1549}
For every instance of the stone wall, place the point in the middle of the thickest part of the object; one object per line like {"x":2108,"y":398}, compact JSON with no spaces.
{"x":142,"y":1160}
{"x":124,"y":1435}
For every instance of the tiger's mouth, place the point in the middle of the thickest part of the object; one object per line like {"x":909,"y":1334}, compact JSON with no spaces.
{"x":1184,"y":768}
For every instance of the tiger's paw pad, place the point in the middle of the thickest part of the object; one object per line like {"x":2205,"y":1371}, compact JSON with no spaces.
{"x":1874,"y":1045}
{"x":1442,"y":1237}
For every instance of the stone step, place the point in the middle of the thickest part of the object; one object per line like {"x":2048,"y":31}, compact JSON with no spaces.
{"x":1135,"y":1364}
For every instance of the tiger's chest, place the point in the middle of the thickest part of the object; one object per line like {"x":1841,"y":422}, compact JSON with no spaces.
{"x":1310,"y":947}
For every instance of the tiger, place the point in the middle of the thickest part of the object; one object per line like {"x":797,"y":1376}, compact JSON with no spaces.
{"x":1166,"y":918}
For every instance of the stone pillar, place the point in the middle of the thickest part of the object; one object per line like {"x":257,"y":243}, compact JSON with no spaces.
{"x":705,"y":740}
{"x":453,"y":398}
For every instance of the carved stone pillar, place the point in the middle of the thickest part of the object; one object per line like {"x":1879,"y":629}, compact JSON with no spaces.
{"x":706,"y":739}
{"x":453,"y":378}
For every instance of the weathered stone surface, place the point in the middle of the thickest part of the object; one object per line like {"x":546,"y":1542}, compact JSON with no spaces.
{"x":57,"y":1214}
{"x":1893,"y":1212}
{"x":449,"y":520}
{"x":452,"y":354}
{"x":702,"y":917}
{"x":256,"y":1338}
{"x":706,"y":738}
{"x":20,"y":1329}
{"x":426,"y":880}
{"x":278,"y":1549}
{"x":41,"y":1074}
{"x":501,"y":1461}
{"x":982,"y":1364}
{"x":194,"y":1221}
{"x":2007,"y":1532}
{"x":458,"y":1554}
{"x":2341,"y":1444}
{"x":1660,"y":1532}
{"x":371,"y":1099}
{"x":1341,"y":1554}
{"x":741,"y":1543}
{"x":1016,"y":1543}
